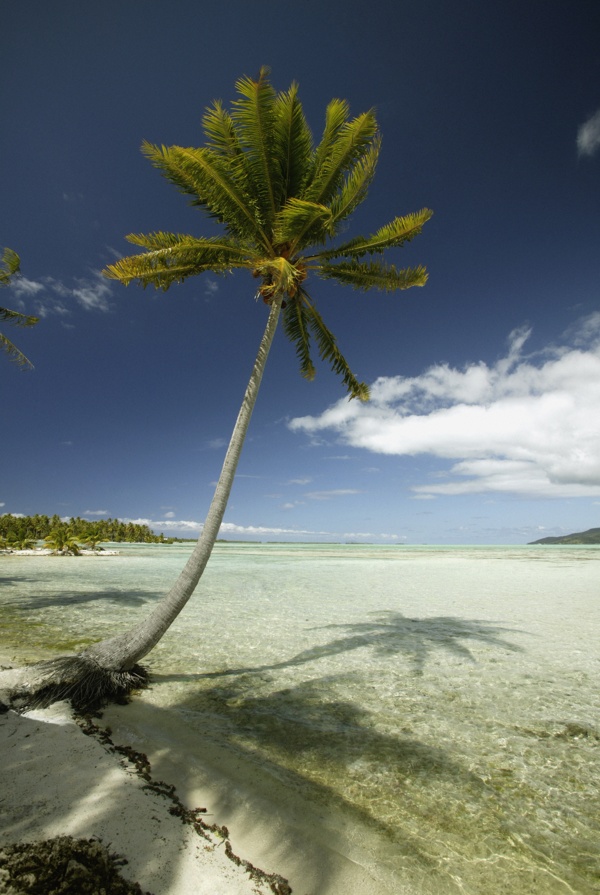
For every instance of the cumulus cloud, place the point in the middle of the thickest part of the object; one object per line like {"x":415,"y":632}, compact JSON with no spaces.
{"x":527,"y":425}
{"x":588,"y":135}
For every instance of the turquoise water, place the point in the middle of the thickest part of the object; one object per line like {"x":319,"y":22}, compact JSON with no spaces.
{"x":435,"y":710}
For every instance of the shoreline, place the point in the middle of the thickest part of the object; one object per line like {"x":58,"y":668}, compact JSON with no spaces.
{"x":67,"y":777}
{"x":190,"y":821}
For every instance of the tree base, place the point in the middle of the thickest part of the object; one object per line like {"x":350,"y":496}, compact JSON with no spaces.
{"x":78,"y":679}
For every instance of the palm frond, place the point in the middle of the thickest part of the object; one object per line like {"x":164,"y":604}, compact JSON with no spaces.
{"x":9,"y":266}
{"x":18,"y":318}
{"x":292,"y":144}
{"x":220,"y":131}
{"x":173,"y":262}
{"x":329,"y":351}
{"x":298,"y":215}
{"x":203,"y":174}
{"x":347,"y":143}
{"x":13,"y":352}
{"x":365,"y":276}
{"x":357,"y":183}
{"x":336,"y":116}
{"x":254,"y":121}
{"x":295,"y":326}
{"x":400,"y":231}
{"x":231,"y":248}
{"x":351,"y":142}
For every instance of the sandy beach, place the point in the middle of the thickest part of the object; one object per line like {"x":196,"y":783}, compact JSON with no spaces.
{"x":59,"y":781}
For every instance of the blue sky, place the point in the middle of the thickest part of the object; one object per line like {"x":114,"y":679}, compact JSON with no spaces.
{"x":484,"y":423}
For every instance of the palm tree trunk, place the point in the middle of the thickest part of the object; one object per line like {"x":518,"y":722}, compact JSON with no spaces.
{"x":125,"y":650}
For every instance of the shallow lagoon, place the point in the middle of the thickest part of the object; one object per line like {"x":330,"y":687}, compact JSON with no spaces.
{"x":422,"y":720}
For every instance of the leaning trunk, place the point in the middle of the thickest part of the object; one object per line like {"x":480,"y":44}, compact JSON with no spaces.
{"x":126,"y":649}
{"x":109,"y":668}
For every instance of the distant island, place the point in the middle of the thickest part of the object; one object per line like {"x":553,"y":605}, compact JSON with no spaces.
{"x":591,"y":536}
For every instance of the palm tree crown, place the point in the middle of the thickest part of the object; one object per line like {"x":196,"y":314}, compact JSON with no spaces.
{"x":282,"y":201}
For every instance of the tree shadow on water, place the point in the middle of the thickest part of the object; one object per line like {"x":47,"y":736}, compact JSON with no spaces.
{"x":318,"y":758}
{"x":304,"y":737}
{"x":390,"y":633}
{"x":126,"y":597}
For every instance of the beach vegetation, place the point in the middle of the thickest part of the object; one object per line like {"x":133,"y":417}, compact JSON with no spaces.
{"x":9,"y":269}
{"x":88,"y":532}
{"x":17,"y":543}
{"x":281,"y":200}
{"x":63,"y":541}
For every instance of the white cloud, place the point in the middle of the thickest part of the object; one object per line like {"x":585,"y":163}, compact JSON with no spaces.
{"x":169,"y":515}
{"x":93,"y":294}
{"x":525,"y":425}
{"x":588,"y":135}
{"x":334,"y":492}
{"x":211,"y":287}
{"x":189,"y":526}
{"x":24,"y":288}
{"x":52,"y":296}
{"x":231,"y":528}
{"x":96,"y":513}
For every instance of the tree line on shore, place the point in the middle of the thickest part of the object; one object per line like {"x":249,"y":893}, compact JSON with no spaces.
{"x":17,"y":531}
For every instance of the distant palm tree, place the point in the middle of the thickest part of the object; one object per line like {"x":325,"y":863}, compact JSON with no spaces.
{"x":9,"y":268}
{"x":62,"y":541}
{"x":20,"y":543}
{"x":281,"y":201}
{"x":92,"y":541}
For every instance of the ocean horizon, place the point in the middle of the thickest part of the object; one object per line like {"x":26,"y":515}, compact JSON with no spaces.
{"x":418,"y":719}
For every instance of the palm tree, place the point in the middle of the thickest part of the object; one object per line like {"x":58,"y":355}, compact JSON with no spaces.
{"x":21,"y":543}
{"x":62,"y":542}
{"x":9,"y":268}
{"x":281,"y":201}
{"x":92,"y":541}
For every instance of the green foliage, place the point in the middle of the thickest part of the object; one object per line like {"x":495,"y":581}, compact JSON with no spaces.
{"x":17,"y":529}
{"x":277,"y":195}
{"x":9,"y":268}
{"x":62,"y":540}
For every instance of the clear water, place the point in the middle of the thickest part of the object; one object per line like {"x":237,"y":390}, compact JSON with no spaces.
{"x":442,"y":701}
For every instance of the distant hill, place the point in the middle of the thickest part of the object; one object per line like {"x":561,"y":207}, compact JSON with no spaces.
{"x":591,"y":536}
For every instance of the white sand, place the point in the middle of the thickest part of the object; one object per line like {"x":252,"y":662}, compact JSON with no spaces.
{"x":56,"y":780}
